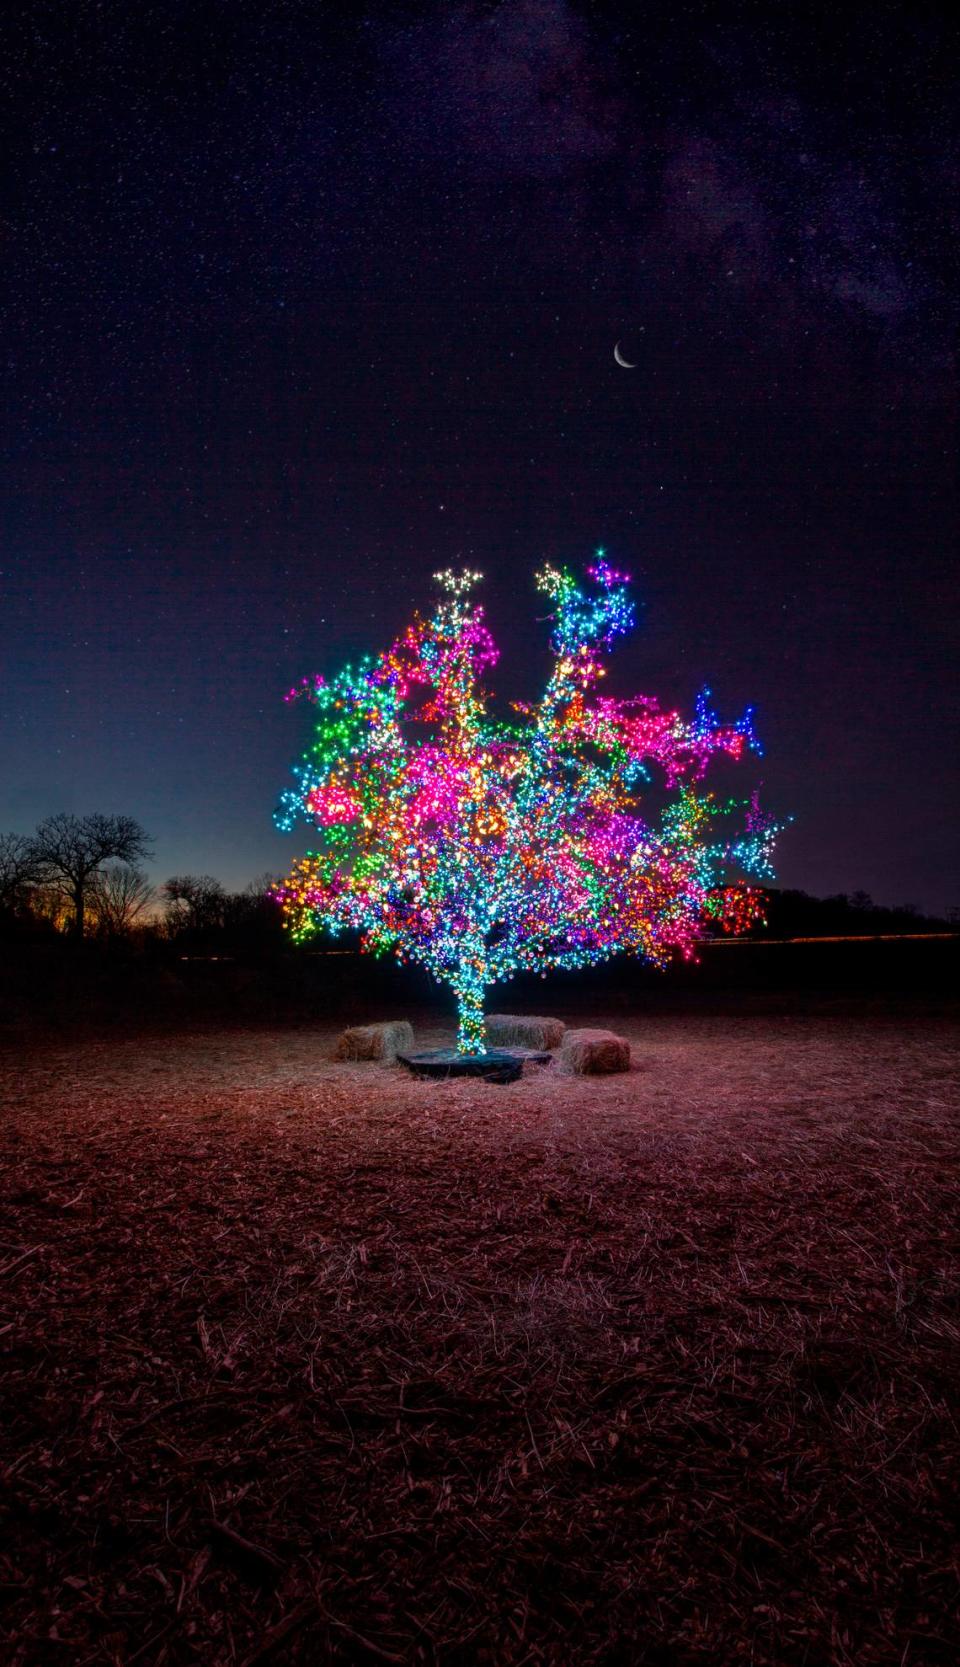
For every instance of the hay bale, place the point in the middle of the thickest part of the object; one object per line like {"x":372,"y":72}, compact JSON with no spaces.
{"x":591,"y":1053}
{"x":382,"y":1042}
{"x":522,"y":1030}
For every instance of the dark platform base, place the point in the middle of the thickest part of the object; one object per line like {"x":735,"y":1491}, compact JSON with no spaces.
{"x":498,"y":1065}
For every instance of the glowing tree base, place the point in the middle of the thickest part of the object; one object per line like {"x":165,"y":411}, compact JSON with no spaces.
{"x":496,"y":1065}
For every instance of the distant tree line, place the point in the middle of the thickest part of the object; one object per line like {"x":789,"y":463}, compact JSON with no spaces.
{"x":795,"y":914}
{"x":81,"y":877}
{"x":87,"y":939}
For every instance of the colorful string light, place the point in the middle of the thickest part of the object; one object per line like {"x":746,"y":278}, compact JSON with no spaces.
{"x":481,"y":848}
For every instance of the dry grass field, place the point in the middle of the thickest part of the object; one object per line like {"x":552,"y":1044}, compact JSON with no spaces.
{"x":305,"y":1362}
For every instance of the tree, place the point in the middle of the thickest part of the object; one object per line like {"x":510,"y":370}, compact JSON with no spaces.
{"x":195,"y":902}
{"x":118,"y":895}
{"x":481,"y":848}
{"x":71,"y":850}
{"x":262,"y":887}
{"x":19,"y":870}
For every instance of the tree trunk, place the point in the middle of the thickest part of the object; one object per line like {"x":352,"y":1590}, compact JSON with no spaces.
{"x":79,"y":908}
{"x":470,"y":1033}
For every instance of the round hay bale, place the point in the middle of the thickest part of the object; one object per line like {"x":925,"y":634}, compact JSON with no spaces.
{"x":381,"y":1042}
{"x":594,"y":1053}
{"x":523,"y":1030}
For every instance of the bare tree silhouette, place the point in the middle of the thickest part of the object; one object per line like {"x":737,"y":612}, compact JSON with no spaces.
{"x":194,"y":901}
{"x":70,"y":850}
{"x":19,"y":869}
{"x":118,"y":896}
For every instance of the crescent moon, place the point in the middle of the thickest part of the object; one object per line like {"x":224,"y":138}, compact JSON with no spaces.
{"x":621,"y":360}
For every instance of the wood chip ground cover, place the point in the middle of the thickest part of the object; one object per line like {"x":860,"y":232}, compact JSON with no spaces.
{"x":308,"y":1362}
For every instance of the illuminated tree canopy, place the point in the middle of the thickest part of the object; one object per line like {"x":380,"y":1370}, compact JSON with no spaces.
{"x":481,"y":846}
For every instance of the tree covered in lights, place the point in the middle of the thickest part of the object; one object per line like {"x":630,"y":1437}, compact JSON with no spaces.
{"x":482,"y":846}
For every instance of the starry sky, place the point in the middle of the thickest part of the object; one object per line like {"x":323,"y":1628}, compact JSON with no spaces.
{"x":302,"y":302}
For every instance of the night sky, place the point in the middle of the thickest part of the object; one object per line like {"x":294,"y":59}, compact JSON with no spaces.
{"x":304,"y":302}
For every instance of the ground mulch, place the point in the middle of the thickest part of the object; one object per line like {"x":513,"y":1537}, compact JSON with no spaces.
{"x":307,"y":1362}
